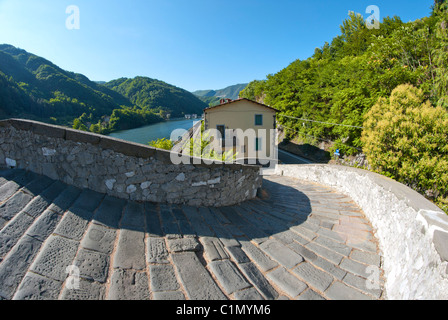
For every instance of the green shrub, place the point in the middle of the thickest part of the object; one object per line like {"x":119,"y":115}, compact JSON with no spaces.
{"x":405,"y":138}
{"x":162,"y":144}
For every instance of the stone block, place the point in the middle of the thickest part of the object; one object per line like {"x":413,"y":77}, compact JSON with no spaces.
{"x":184,"y":244}
{"x":44,"y":226}
{"x":368,"y":258}
{"x":310,"y":295}
{"x":130,"y":253}
{"x":440,"y":241}
{"x":248,"y":294}
{"x":157,"y":251}
{"x":228,"y":276}
{"x":355,"y":267}
{"x":37,"y":206}
{"x":168,"y":296}
{"x":126,"y":148}
{"x":258,"y":280}
{"x":82,"y":136}
{"x":99,"y":238}
{"x":324,"y":252}
{"x":163,"y":278}
{"x":153,"y":227}
{"x":49,"y":131}
{"x":12,"y":232}
{"x":88,"y":290}
{"x":14,"y":205}
{"x":88,"y":200}
{"x":92,"y":265}
{"x":65,"y":200}
{"x":196,"y":280}
{"x":134,"y":216}
{"x":54,"y":258}
{"x":237,"y":254}
{"x":282,"y":254}
{"x":214,"y":249}
{"x":36,"y":287}
{"x":110,"y":212}
{"x":259,"y":257}
{"x":14,"y":267}
{"x":74,"y":224}
{"x":364,"y":285}
{"x":287,"y":282}
{"x":129,"y":285}
{"x":340,"y":291}
{"x":316,"y":278}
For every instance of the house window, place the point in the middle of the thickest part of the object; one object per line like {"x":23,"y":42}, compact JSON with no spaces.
{"x":258,"y":119}
{"x":222,"y":130}
{"x":258,"y":145}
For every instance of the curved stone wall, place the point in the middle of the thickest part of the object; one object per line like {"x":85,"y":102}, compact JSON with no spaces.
{"x":412,"y":231}
{"x":122,"y":169}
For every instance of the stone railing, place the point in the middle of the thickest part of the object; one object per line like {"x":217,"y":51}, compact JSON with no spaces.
{"x":412,"y":231}
{"x":123,"y":169}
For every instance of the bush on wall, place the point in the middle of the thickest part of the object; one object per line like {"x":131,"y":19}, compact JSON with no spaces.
{"x":406,"y":138}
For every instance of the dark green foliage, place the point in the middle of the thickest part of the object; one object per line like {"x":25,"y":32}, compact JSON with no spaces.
{"x":345,"y":78}
{"x":157,"y":95}
{"x":210,"y":101}
{"x":405,"y":138}
{"x":163,"y":143}
{"x":34,"y":88}
{"x":39,"y":89}
{"x":127,"y":118}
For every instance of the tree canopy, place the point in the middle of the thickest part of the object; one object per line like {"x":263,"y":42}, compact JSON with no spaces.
{"x":387,"y":91}
{"x":34,"y":88}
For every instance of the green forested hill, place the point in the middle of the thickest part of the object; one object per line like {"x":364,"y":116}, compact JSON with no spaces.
{"x":382,"y":92}
{"x":344,"y":78}
{"x":212,"y":97}
{"x":34,"y":88}
{"x":157,"y":95}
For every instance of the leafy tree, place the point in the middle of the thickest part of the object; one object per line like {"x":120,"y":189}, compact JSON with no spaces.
{"x":163,"y":143}
{"x":96,"y":128}
{"x":32,"y":87}
{"x":344,"y":78}
{"x":440,"y":52}
{"x":150,"y":93}
{"x":405,"y":138}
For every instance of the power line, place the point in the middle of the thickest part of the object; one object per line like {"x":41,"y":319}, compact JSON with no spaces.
{"x":321,"y":122}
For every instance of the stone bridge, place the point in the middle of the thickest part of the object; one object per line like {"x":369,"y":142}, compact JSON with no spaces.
{"x":310,"y":232}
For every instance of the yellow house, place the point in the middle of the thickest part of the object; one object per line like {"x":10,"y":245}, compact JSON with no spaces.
{"x":246,"y":126}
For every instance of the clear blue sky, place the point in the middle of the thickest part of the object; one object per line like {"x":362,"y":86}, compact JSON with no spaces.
{"x":193,"y":44}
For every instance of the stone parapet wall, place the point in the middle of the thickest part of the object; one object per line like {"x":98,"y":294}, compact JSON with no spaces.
{"x":123,"y":169}
{"x":412,"y":231}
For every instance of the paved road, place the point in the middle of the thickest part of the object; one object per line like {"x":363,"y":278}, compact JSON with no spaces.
{"x":296,"y":241}
{"x":289,"y":158}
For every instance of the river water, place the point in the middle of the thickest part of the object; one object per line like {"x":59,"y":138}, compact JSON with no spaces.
{"x":155,"y":131}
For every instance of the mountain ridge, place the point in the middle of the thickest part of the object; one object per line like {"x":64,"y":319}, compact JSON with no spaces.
{"x":213,"y":96}
{"x":33,"y":87}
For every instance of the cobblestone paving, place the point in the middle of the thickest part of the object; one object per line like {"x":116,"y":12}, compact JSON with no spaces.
{"x":297,"y":240}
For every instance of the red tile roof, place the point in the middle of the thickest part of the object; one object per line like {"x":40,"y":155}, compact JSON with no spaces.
{"x":238,"y":100}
